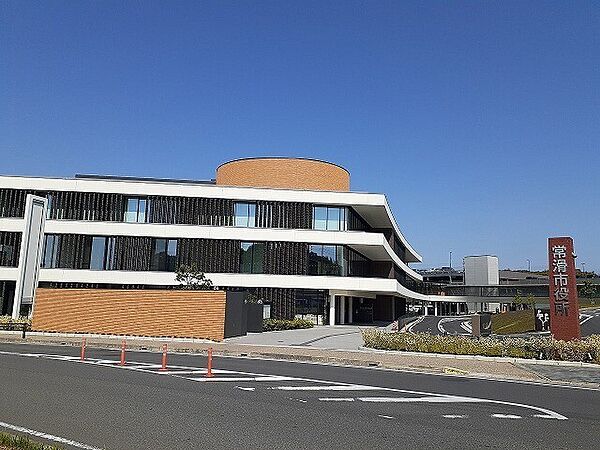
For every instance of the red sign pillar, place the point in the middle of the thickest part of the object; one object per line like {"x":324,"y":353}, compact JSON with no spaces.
{"x":564,"y":305}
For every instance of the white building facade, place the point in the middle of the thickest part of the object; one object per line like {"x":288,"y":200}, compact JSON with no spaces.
{"x":295,"y":239}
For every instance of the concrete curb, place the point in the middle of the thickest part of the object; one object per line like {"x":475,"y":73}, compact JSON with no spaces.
{"x":467,"y":366}
{"x":544,"y":362}
{"x":56,"y":338}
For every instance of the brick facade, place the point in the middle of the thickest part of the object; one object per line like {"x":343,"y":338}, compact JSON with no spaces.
{"x":284,"y":173}
{"x":173,"y":313}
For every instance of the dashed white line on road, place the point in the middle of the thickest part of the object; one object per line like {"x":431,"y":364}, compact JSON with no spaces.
{"x":385,"y":417}
{"x":506,"y":416}
{"x":47,"y":436}
{"x":455,"y":416}
{"x":336,"y":399}
{"x":241,"y":388}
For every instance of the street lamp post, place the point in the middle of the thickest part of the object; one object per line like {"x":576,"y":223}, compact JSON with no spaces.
{"x":528,"y":265}
{"x":450,"y":260}
{"x":583,"y":265}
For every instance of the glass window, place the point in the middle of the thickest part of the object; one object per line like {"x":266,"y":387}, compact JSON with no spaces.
{"x":97,"y":257}
{"x":164,"y":255}
{"x":331,"y":218}
{"x":246,"y":257}
{"x":314,"y":253}
{"x":110,"y":260}
{"x":320,"y":218}
{"x":330,"y":265}
{"x":136,"y":210}
{"x":142,"y":210}
{"x":51,"y":251}
{"x":49,"y":197}
{"x":252,"y":257}
{"x":245,"y":215}
{"x":326,"y":260}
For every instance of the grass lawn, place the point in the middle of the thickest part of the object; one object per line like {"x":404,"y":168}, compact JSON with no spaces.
{"x":589,"y":302}
{"x":513,"y":322}
{"x":12,"y":442}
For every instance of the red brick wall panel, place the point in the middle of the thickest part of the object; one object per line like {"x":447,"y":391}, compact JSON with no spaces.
{"x":173,"y":313}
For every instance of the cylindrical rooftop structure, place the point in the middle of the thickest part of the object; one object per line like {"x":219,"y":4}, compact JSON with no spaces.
{"x":284,"y":173}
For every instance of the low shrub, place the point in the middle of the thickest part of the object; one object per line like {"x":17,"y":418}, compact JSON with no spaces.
{"x":10,"y":320}
{"x":584,"y":350}
{"x":282,"y":324}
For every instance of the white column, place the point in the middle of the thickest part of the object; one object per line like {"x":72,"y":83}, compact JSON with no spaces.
{"x":342,"y":310}
{"x":426,"y":309}
{"x":349,"y":309}
{"x":435,"y":308}
{"x":332,"y":309}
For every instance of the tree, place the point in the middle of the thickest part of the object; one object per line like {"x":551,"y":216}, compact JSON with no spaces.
{"x":190,"y":278}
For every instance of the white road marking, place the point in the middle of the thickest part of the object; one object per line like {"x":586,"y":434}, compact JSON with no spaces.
{"x":587,"y":317}
{"x":274,"y":378}
{"x":301,"y":400}
{"x":445,"y":399}
{"x":50,"y":437}
{"x":455,"y":416}
{"x":385,"y":417}
{"x":350,"y":387}
{"x":467,"y":327}
{"x":427,"y":397}
{"x":182,"y":372}
{"x":506,"y":416}
{"x":412,"y":324}
{"x":336,"y":399}
{"x":241,"y":388}
{"x":440,"y":328}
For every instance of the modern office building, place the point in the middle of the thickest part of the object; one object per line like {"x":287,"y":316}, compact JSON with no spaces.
{"x":288,"y":230}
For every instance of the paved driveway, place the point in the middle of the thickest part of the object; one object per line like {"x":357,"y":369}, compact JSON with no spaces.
{"x":344,"y":337}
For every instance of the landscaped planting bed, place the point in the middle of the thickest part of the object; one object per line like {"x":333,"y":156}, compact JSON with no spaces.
{"x":10,"y":320}
{"x":280,"y":324}
{"x":584,"y":350}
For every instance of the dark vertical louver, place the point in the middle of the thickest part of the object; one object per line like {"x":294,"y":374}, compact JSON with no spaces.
{"x":210,"y":255}
{"x":108,"y":207}
{"x":12,"y":201}
{"x":282,"y":301}
{"x":10,"y":245}
{"x":286,"y":258}
{"x":133,"y":253}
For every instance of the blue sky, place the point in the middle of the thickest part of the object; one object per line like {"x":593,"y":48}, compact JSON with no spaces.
{"x":479,"y":120}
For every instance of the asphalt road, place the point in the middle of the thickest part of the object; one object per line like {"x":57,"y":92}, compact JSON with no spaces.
{"x":253,"y":403}
{"x":443,"y":325}
{"x":589,"y":319}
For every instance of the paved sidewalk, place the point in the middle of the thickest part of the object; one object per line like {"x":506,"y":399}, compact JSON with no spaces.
{"x":498,"y":368}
